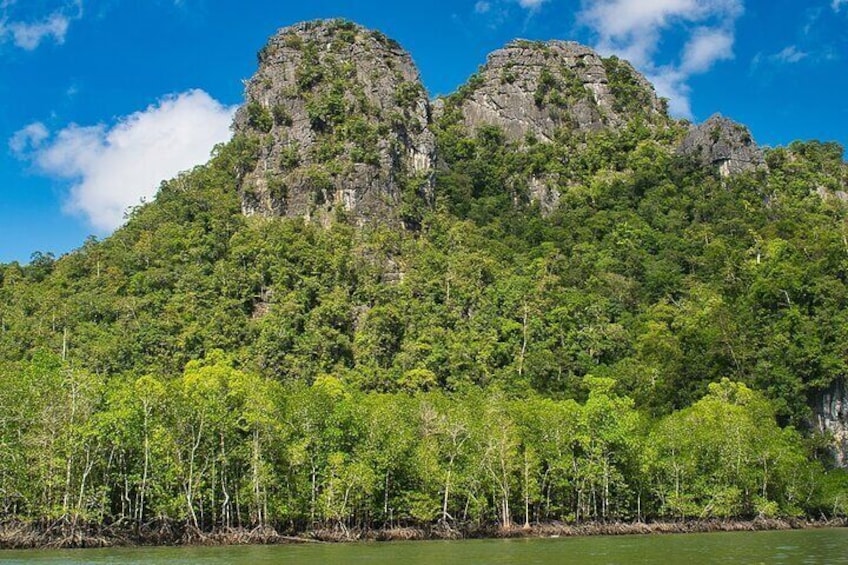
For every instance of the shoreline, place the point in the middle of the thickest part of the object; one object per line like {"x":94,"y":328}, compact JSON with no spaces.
{"x":15,"y":535}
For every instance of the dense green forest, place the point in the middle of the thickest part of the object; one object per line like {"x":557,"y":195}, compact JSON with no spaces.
{"x":647,"y":350}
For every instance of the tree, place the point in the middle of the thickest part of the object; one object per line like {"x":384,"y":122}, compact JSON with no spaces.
{"x":725,"y":456}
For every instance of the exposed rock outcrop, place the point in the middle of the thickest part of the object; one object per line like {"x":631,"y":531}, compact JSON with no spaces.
{"x":723,"y":143}
{"x":342,"y":121}
{"x":534,"y":88}
{"x":831,"y":413}
{"x":338,"y":119}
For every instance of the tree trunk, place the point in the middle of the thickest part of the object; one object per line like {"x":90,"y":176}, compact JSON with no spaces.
{"x":526,"y":491}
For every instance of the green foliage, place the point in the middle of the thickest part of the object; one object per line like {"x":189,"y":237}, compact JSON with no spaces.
{"x":474,"y":82}
{"x":546,"y":84}
{"x":239,"y":155}
{"x":258,"y":117}
{"x":725,"y":456}
{"x":277,"y":188}
{"x":327,"y":109}
{"x":293,"y":41}
{"x":40,"y":266}
{"x":629,"y":95}
{"x":833,"y":494}
{"x":281,"y":115}
{"x":343,"y":30}
{"x":289,"y":157}
{"x":364,"y":138}
{"x":560,"y":91}
{"x":310,"y":72}
{"x":407,"y":94}
{"x":182,"y":448}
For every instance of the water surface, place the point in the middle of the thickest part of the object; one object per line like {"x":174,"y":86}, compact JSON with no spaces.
{"x":828,"y":546}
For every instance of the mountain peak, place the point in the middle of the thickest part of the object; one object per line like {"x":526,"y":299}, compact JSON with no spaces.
{"x":341,"y":119}
{"x":532,"y":88}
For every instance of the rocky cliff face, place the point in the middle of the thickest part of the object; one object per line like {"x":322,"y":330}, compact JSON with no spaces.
{"x":534,"y":89}
{"x":342,"y":122}
{"x":723,"y":143}
{"x":831,"y":413}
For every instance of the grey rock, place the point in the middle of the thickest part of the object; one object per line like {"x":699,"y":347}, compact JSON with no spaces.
{"x":343,"y":123}
{"x":535,"y":89}
{"x":542,"y":191}
{"x":723,"y":143}
{"x":826,"y":194}
{"x":541,"y":89}
{"x":831,"y":415}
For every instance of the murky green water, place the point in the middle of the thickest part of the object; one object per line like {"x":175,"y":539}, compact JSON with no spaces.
{"x":803,"y":547}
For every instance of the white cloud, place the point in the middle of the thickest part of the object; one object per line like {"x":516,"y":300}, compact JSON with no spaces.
{"x":496,"y":13}
{"x":29,"y":137}
{"x":811,"y":20}
{"x":113,"y":168}
{"x":790,"y":54}
{"x":531,"y":4}
{"x":28,"y":35}
{"x":837,"y":4}
{"x":501,"y":8}
{"x":706,"y":47}
{"x":635,"y":29}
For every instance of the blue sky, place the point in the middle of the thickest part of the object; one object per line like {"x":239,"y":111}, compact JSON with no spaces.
{"x":102,"y":99}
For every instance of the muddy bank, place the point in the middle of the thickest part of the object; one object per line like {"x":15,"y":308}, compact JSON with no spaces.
{"x":556,"y":529}
{"x":62,"y":534}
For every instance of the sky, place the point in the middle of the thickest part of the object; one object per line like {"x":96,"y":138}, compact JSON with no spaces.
{"x":101,"y":100}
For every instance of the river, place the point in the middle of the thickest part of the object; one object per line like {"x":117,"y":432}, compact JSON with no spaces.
{"x":828,"y":546}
